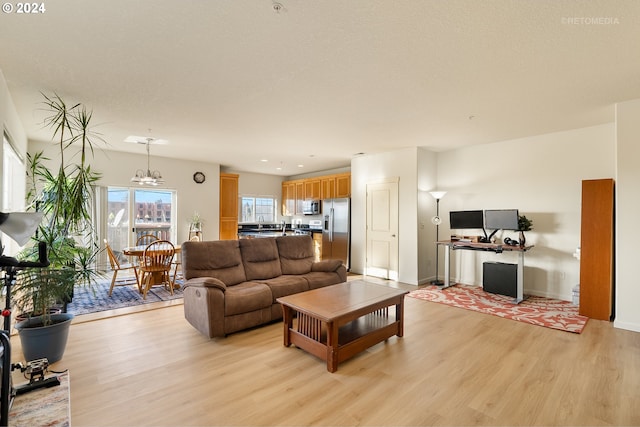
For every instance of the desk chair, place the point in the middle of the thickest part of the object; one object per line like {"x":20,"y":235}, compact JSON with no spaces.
{"x":117,"y":267}
{"x":155,"y":266}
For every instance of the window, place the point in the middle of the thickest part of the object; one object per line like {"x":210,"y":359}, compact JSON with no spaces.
{"x":151,"y":214}
{"x":13,"y":177}
{"x":13,"y":185}
{"x":258,"y":209}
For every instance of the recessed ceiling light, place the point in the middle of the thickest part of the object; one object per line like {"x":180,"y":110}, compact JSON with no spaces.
{"x":264,"y":160}
{"x":300,"y":166}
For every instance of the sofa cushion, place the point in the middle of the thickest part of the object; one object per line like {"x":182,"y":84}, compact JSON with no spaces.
{"x":296,"y":254}
{"x":260,"y":258}
{"x":246,"y":297}
{"x":327,"y":265}
{"x":220,"y":259}
{"x":318,"y":279}
{"x":286,"y":285}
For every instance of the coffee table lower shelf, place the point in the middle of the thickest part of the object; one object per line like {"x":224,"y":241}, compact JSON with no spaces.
{"x":353,"y":338}
{"x":337,"y":322}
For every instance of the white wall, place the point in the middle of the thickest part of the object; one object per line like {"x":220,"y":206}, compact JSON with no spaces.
{"x":427,"y":181}
{"x":374,"y":168}
{"x":541,"y":176}
{"x":255,"y":184}
{"x":627,"y":207}
{"x":117,"y":168}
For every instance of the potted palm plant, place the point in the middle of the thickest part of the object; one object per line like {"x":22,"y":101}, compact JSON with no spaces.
{"x":65,"y":200}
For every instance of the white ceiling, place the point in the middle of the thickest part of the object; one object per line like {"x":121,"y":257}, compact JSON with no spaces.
{"x":234,"y":82}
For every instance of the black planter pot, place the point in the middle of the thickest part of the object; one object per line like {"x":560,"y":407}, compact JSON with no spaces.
{"x":39,"y":341}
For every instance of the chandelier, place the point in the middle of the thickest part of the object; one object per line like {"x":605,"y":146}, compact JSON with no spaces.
{"x":146,"y":177}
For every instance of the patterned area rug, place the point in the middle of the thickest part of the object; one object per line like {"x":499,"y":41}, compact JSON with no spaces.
{"x":535,"y":310}
{"x":96,"y":298}
{"x":43,"y":407}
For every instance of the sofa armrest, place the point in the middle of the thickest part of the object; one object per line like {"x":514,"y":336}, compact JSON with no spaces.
{"x":326,"y":265}
{"x":206,"y":282}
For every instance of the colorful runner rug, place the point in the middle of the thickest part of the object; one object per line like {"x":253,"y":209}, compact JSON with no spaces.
{"x":535,"y":310}
{"x":43,"y":407}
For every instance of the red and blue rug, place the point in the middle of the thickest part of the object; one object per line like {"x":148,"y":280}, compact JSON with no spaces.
{"x":547,"y":312}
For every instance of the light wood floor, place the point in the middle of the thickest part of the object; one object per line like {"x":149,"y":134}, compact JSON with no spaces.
{"x":452,"y":367}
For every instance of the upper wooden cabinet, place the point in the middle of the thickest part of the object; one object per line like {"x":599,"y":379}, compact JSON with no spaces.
{"x":328,"y":187}
{"x":299,"y":196}
{"x":228,"y":206}
{"x":312,"y":188}
{"x":288,"y":198}
{"x":343,"y":185}
{"x":322,"y":187}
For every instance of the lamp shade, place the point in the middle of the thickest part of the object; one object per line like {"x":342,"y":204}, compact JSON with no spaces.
{"x":20,"y":226}
{"x":437,"y":194}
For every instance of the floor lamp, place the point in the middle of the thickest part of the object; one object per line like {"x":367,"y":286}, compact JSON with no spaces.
{"x":436,"y":220}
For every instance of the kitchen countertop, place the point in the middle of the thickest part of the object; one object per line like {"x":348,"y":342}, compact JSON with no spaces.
{"x":270,"y":230}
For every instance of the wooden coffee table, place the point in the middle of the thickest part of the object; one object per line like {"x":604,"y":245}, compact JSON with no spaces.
{"x":337,"y":322}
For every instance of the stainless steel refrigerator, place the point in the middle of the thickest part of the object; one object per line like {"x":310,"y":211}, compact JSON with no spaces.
{"x":336,"y":229}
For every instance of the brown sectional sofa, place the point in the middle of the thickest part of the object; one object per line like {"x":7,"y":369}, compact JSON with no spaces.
{"x":231,"y":285}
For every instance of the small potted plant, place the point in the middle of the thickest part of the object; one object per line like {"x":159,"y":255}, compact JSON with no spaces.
{"x":195,"y":225}
{"x":524,"y":224}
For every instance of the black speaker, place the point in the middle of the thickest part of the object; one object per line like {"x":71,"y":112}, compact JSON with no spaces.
{"x":500,"y":278}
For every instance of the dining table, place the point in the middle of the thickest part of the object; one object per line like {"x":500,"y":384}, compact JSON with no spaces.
{"x":138,"y":251}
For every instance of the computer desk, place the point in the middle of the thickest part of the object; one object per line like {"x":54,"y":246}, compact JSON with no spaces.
{"x":486,"y":247}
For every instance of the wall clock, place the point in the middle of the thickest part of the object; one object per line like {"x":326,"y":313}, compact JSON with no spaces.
{"x":198,"y":177}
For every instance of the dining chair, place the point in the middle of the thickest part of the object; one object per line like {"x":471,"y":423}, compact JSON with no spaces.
{"x":177,"y":263}
{"x":117,"y":267}
{"x":155,"y":266}
{"x":145,"y":239}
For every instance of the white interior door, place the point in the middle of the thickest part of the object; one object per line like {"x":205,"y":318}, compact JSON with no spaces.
{"x":382,"y":230}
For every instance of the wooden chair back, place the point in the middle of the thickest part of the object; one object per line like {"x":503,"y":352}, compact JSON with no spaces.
{"x":113,"y":260}
{"x":145,"y":239}
{"x":157,"y":256}
{"x":156,"y":261}
{"x":116,"y":267}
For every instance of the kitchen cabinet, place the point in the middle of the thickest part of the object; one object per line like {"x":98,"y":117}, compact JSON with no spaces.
{"x":288,"y":198}
{"x":597,"y":249}
{"x":317,"y":246}
{"x":299,"y":196}
{"x":343,"y":185}
{"x":312,"y":189}
{"x":328,"y":187}
{"x":228,"y":206}
{"x":295,"y":192}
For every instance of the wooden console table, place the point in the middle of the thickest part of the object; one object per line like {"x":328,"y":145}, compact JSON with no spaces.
{"x":487,"y":247}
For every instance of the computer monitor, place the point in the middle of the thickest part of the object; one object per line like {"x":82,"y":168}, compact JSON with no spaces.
{"x":501,"y":219}
{"x":466,"y":219}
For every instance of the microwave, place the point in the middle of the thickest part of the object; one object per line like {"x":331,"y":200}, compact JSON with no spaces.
{"x":311,"y":207}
